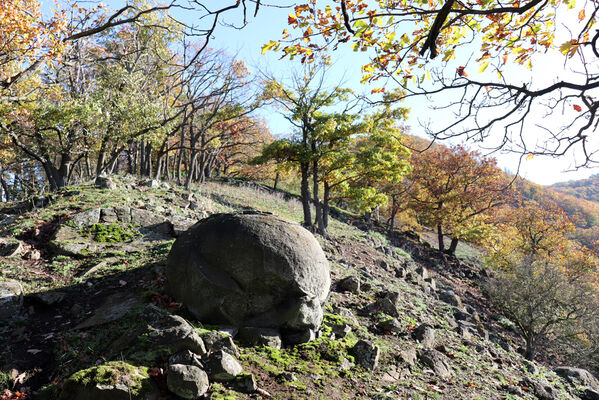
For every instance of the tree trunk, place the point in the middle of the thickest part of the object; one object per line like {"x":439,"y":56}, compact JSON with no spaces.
{"x":305,"y":193}
{"x":440,"y":237}
{"x":453,"y":246}
{"x":530,"y":351}
{"x":391,"y":223}
{"x":325,"y":206}
{"x":274,"y":187}
{"x":317,"y":205}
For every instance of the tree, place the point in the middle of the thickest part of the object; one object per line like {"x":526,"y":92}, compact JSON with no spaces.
{"x":531,"y":229}
{"x":545,"y":300}
{"x":403,"y":38}
{"x":302,"y":102}
{"x":451,"y":189}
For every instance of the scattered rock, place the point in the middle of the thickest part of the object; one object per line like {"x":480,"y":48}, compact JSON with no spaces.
{"x":222,"y":367}
{"x":163,"y":334}
{"x":366,"y":354}
{"x":114,"y":380}
{"x":32,"y":254}
{"x":578,"y":376}
{"x":186,"y":357}
{"x":425,"y":334}
{"x":254,"y":336}
{"x":423,"y":272}
{"x":408,"y":356}
{"x":531,"y":367}
{"x":113,"y":308}
{"x":400,"y":272}
{"x":215,"y":341}
{"x":450,"y":297}
{"x":86,"y":218}
{"x":389,"y":304}
{"x":49,"y":298}
{"x":390,"y":325}
{"x":298,"y":336}
{"x":245,"y":383}
{"x":105,"y":182}
{"x":10,"y":247}
{"x":350,"y":284}
{"x":108,"y":216}
{"x":11,"y":298}
{"x":250,"y":269}
{"x":437,"y":361}
{"x":187,"y":381}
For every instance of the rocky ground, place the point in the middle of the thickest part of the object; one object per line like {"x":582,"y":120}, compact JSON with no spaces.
{"x":85,"y":313}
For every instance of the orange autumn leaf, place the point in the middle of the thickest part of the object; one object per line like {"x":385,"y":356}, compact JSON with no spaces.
{"x":461,"y":71}
{"x":577,"y":107}
{"x":581,"y":15}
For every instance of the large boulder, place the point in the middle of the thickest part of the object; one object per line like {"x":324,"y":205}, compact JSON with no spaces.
{"x":250,"y":269}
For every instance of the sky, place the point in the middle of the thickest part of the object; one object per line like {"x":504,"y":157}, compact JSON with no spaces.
{"x":246,"y":45}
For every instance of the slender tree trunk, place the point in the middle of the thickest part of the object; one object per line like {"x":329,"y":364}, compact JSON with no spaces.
{"x":325,"y":207}
{"x":317,"y":205}
{"x":452,"y":246}
{"x":305,"y":193}
{"x":440,"y":237}
{"x":391,"y":223}
{"x":274,"y":187}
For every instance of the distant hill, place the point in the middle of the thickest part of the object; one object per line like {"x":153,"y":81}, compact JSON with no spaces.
{"x":587,"y":189}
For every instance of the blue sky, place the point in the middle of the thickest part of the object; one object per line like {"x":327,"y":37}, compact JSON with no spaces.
{"x":246,"y":44}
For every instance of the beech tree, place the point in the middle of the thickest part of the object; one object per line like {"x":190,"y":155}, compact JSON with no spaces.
{"x":451,"y":189}
{"x":402,"y":40}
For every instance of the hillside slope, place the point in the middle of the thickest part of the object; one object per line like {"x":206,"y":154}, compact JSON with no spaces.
{"x":587,"y":189}
{"x":429,"y":331}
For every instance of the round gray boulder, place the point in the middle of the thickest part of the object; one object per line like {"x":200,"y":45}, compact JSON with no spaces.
{"x":250,"y":269}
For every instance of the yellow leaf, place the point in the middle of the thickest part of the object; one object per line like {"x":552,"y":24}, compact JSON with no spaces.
{"x":483,"y":67}
{"x":530,"y":156}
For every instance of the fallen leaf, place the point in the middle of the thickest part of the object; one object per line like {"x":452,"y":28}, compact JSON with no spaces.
{"x":34,"y":351}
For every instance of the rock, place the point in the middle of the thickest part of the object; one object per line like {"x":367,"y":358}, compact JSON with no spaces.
{"x":423,"y":272}
{"x":245,"y":383}
{"x":460,"y":315}
{"x":162,"y":334}
{"x":123,"y":214}
{"x":105,"y":182}
{"x":152,"y":183}
{"x":49,"y":298}
{"x":215,"y":341}
{"x":437,"y":361}
{"x":431,"y":283}
{"x":146,"y":218}
{"x":68,"y":241}
{"x":298,"y":336}
{"x":350,"y":284}
{"x":450,"y":297}
{"x":32,"y":254}
{"x":86,"y":218}
{"x":590,"y":394}
{"x":251,"y":269}
{"x":389,"y":304}
{"x":222,"y":367}
{"x":254,"y":336}
{"x":181,"y":224}
{"x":348,"y":315}
{"x":186,"y":357}
{"x":531,"y":367}
{"x":113,"y":308}
{"x":10,"y":247}
{"x":114,"y":380}
{"x":578,"y":376}
{"x":390,"y":325}
{"x":425,"y":334}
{"x":400,"y":272}
{"x":345,"y":364}
{"x":108,"y":215}
{"x":340,"y":328}
{"x":11,"y":298}
{"x":366,"y":354}
{"x":465,"y":332}
{"x":187,"y":381}
{"x":408,"y":356}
